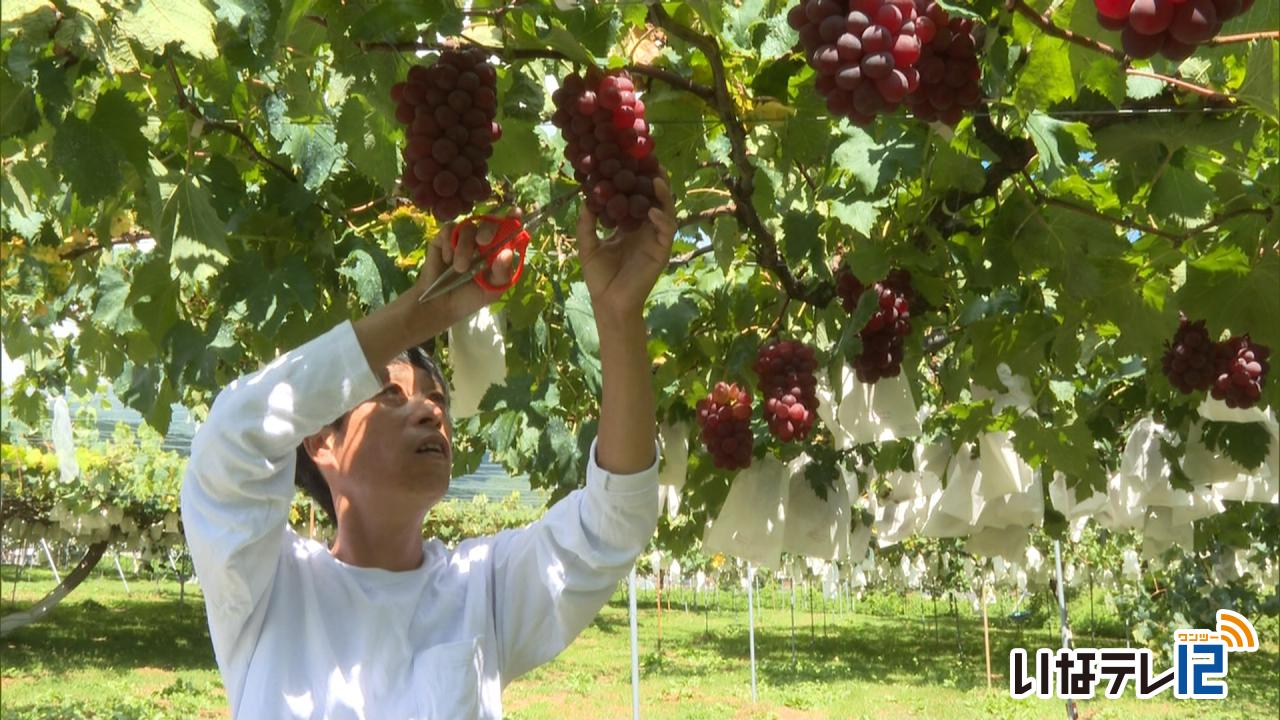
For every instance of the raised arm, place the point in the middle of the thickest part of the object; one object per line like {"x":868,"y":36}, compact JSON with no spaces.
{"x":552,"y":578}
{"x":620,"y":273}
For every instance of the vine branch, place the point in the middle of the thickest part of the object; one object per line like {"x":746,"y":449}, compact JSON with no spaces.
{"x":130,"y":238}
{"x":232,"y":129}
{"x":1177,"y":238}
{"x":1044,"y":23}
{"x":671,"y":78}
{"x":741,"y":184}
{"x":1201,"y":91}
{"x":1246,"y":37}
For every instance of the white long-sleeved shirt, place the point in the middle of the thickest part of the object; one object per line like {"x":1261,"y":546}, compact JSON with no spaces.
{"x":298,"y":633}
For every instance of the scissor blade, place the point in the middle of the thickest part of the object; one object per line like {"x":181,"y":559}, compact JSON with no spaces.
{"x":445,"y":285}
{"x":433,"y":289}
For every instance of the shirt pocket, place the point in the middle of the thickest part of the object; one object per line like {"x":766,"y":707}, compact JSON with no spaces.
{"x":447,"y":680}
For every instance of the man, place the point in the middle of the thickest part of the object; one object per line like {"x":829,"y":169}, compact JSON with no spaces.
{"x":383,"y":625}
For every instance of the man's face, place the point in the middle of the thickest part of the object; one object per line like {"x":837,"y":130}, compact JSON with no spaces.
{"x":396,"y":447}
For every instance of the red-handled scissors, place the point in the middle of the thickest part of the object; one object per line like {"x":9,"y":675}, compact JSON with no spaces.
{"x":510,"y":233}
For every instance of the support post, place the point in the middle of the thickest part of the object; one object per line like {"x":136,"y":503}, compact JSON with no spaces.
{"x":1062,"y":616}
{"x":120,"y":570}
{"x":751,"y":622}
{"x":52,"y":565}
{"x":635,"y":647}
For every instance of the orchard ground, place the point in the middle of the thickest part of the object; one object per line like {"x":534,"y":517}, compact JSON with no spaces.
{"x":103,"y":654}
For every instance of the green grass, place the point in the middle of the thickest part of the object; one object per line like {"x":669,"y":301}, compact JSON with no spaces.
{"x":103,"y":654}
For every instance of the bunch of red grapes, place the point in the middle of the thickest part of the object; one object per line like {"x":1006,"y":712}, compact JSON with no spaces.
{"x":788,"y":386}
{"x":882,"y":336}
{"x":868,"y":56}
{"x":1188,"y":360}
{"x":449,"y":109}
{"x":1240,"y":366}
{"x":1172,"y":28}
{"x":1233,"y":370}
{"x":725,"y":419}
{"x":950,"y":78}
{"x":609,"y":146}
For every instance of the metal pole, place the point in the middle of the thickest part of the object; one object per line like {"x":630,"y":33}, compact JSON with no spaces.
{"x":793,"y":623}
{"x":813,"y":633}
{"x":635,"y":649}
{"x":751,"y":621}
{"x":986,"y":630}
{"x":1062,"y":615}
{"x":120,"y":570}
{"x":52,"y":565}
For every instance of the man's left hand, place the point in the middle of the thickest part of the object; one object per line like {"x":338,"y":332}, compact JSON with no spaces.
{"x":621,"y":270}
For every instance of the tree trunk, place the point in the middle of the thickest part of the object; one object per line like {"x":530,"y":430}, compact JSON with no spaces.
{"x":16,"y":620}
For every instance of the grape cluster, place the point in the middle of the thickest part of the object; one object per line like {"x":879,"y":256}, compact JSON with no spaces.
{"x":609,"y":146}
{"x":1188,"y":360}
{"x":882,"y":336}
{"x":725,"y":418}
{"x":865,"y":52}
{"x":788,"y":387}
{"x":1240,"y":368}
{"x":872,"y":56}
{"x":1172,"y":28}
{"x":950,"y":77}
{"x":449,"y":109}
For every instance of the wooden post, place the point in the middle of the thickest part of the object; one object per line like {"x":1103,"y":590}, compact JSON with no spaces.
{"x":311,"y":523}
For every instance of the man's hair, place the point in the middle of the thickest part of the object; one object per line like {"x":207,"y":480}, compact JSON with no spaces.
{"x":309,"y":478}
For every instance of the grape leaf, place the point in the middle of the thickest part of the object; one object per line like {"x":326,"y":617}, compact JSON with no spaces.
{"x":517,"y":152}
{"x":778,"y":39}
{"x":192,"y":231}
{"x":859,"y":216}
{"x":1259,"y":87}
{"x":953,"y":169}
{"x":1223,"y":259}
{"x":1245,"y":443}
{"x":801,"y":243}
{"x":89,"y":159}
{"x":1242,"y":304}
{"x":1183,"y":198}
{"x":18,"y":113}
{"x":157,"y":23}
{"x":1058,"y":144}
{"x":117,"y":117}
{"x":367,"y":135}
{"x":582,"y":321}
{"x":258,"y":17}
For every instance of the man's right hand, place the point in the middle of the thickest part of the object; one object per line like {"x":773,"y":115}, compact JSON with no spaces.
{"x":461,"y":302}
{"x":405,"y":322}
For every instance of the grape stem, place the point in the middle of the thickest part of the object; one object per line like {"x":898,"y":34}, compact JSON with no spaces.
{"x":1192,"y":87}
{"x":1045,"y":24}
{"x":782,"y":313}
{"x":1246,"y":37}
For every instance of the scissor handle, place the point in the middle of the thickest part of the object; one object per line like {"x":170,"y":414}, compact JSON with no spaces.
{"x":510,"y":234}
